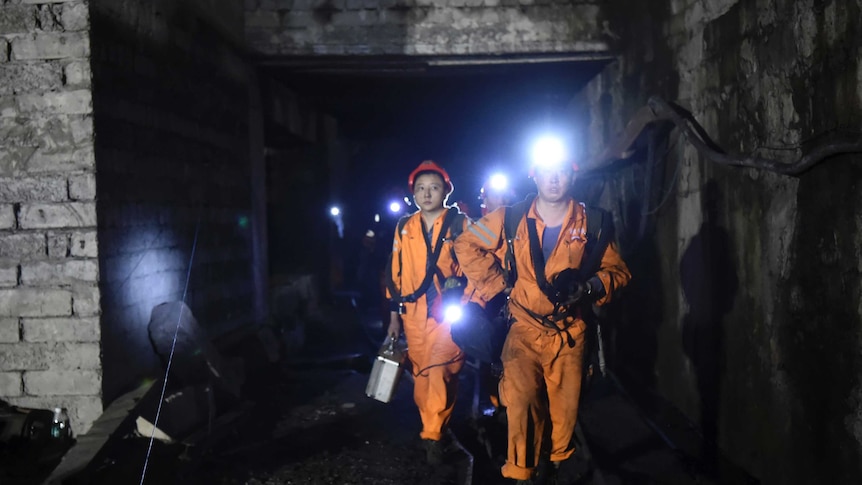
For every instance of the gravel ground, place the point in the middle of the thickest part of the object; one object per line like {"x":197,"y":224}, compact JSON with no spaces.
{"x":309,"y":422}
{"x":317,"y":427}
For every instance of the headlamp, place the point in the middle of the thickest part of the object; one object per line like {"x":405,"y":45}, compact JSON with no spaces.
{"x":548,"y":152}
{"x":498,"y":182}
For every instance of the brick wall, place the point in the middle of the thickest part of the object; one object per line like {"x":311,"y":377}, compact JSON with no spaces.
{"x":776,"y":366}
{"x":49,"y":272}
{"x":423,"y":27}
{"x":172,"y":149}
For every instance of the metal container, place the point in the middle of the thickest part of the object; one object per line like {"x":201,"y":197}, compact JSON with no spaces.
{"x":386,"y":372}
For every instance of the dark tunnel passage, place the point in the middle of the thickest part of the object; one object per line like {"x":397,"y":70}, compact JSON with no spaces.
{"x":474,"y":119}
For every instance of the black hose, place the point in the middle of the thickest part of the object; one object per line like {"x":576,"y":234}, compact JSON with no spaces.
{"x":697,"y":136}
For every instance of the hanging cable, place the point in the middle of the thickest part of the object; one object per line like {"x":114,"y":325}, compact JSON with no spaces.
{"x":697,"y":136}
{"x":171,"y":355}
{"x":659,"y":110}
{"x":670,"y":190}
{"x":646,"y":211}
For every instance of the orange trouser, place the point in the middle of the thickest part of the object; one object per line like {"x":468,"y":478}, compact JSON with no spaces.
{"x":436,"y":361}
{"x":539,"y":385}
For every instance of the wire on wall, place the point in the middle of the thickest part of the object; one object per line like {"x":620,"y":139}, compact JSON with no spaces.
{"x":659,"y":110}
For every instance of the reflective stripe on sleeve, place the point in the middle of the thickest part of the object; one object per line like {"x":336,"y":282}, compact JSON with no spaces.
{"x":479,"y":234}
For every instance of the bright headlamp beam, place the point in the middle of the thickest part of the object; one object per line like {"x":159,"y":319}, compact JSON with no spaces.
{"x":499,"y":182}
{"x":453,"y":313}
{"x":334,"y":211}
{"x":548,"y":152}
{"x":394,"y":207}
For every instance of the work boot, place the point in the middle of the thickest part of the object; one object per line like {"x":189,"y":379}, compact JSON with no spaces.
{"x":434,"y":452}
{"x":553,"y":474}
{"x":547,"y":472}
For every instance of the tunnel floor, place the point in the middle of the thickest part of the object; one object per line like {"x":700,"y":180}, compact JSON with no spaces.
{"x":308,"y":421}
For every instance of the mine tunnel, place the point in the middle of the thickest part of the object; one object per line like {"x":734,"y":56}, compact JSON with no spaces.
{"x":200,"y":204}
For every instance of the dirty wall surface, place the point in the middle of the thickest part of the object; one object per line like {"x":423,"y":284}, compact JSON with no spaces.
{"x":171,"y":98}
{"x":423,"y":27}
{"x":49,"y":272}
{"x":747,"y":282}
{"x":78,"y":277}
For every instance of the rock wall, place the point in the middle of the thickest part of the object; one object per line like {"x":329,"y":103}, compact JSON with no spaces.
{"x":747,"y":283}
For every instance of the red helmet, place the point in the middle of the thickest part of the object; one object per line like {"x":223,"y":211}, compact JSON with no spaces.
{"x":430,"y":166}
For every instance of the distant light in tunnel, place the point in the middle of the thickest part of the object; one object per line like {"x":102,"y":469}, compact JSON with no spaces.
{"x":242,"y":221}
{"x":335,"y":212}
{"x":376,"y":217}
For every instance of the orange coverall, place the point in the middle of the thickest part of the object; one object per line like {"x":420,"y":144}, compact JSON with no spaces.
{"x":435,"y":358}
{"x":541,"y":370}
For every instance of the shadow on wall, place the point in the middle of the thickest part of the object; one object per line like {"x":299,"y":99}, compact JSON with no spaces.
{"x":709,"y":283}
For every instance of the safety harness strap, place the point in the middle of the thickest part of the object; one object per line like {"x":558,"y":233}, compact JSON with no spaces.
{"x":539,"y":262}
{"x":511,"y":218}
{"x":432,"y":255}
{"x":600,"y":231}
